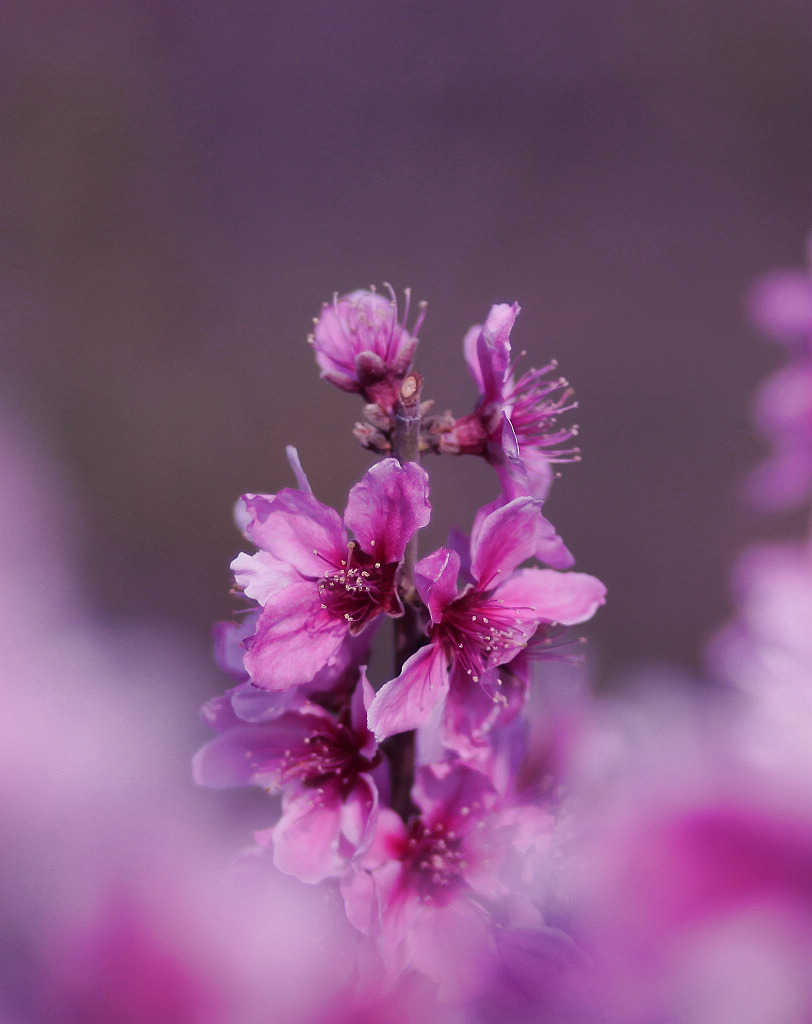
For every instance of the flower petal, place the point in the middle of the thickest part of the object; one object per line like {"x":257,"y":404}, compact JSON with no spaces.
{"x":493,"y":350}
{"x":408,"y":701}
{"x":503,"y":538}
{"x":387,"y":507}
{"x":435,"y":577}
{"x":296,"y":528}
{"x":260,"y":575}
{"x":294,"y":639}
{"x":306,"y":837}
{"x":544,"y":595}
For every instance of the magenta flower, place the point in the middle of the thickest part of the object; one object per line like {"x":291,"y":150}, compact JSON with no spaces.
{"x":419,"y":890}
{"x":315,"y":585}
{"x":323,"y":767}
{"x":362,"y":347}
{"x":514,"y":425}
{"x":485,"y":624}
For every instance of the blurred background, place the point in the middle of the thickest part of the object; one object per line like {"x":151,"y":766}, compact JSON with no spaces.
{"x":182,"y":185}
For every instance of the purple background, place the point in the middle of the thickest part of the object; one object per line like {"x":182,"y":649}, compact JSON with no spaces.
{"x":181,"y":185}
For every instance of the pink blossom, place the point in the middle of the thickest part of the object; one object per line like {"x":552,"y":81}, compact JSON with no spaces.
{"x":323,"y":767}
{"x":314,"y":585}
{"x":362,"y":347}
{"x":488,"y":622}
{"x":422,"y":889}
{"x":783,"y":415}
{"x":781,"y":305}
{"x":514,"y":424}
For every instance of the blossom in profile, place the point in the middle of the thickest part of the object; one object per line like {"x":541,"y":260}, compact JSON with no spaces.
{"x":362,"y":346}
{"x":314,"y":584}
{"x":515,"y":423}
{"x":485,"y":624}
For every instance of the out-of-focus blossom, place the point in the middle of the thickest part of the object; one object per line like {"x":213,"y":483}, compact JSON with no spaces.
{"x":488,"y":622}
{"x":361,"y":346}
{"x":314,"y":585}
{"x":323,"y":767}
{"x":766,"y":653}
{"x":426,"y":889}
{"x":515,"y":423}
{"x":683,"y":867}
{"x":781,"y":305}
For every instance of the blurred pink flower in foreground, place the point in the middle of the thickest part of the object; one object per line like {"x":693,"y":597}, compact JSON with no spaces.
{"x":781,"y":306}
{"x":114,"y":904}
{"x":686,"y":868}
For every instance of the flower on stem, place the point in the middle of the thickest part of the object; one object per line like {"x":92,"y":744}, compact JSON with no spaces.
{"x":323,"y":766}
{"x":315,"y":585}
{"x":421,"y":890}
{"x":514,"y":425}
{"x":488,"y":622}
{"x":362,"y":347}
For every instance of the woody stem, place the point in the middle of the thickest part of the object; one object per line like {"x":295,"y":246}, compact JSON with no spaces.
{"x":401,"y":748}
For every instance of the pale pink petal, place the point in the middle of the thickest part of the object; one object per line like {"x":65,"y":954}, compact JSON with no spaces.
{"x":359,"y":815}
{"x":408,"y":701}
{"x":550,"y":548}
{"x":465,"y":928}
{"x":260,"y":576}
{"x":469,"y":346}
{"x":228,"y":643}
{"x":298,"y":472}
{"x":296,"y":528}
{"x":362,"y":699}
{"x":228,"y":760}
{"x":454,"y":794}
{"x":544,"y":595}
{"x":250,"y":704}
{"x":306,"y":838}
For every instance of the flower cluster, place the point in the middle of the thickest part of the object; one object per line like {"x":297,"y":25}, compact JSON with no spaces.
{"x":403,"y":794}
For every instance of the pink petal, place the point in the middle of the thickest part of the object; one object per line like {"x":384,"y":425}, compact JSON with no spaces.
{"x":503,"y":539}
{"x":306,"y":838}
{"x":469,"y":346}
{"x":544,"y":595}
{"x":260,"y":576}
{"x":408,"y":701}
{"x":298,"y":472}
{"x":493,"y":349}
{"x":362,"y":699}
{"x":435,"y":577}
{"x":294,"y":639}
{"x":387,"y":507}
{"x":226,"y":761}
{"x":297,"y":529}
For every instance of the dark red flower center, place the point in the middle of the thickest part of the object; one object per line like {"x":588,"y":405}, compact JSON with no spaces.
{"x":478,"y":632}
{"x":359,"y":588}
